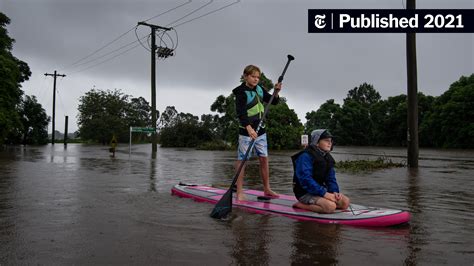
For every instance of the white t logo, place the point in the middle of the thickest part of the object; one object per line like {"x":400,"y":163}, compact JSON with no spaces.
{"x":319,"y":21}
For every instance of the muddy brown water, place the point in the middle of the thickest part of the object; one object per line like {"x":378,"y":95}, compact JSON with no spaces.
{"x":80,"y":206}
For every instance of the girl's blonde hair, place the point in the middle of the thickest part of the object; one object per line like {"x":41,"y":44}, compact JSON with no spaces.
{"x":250,"y":69}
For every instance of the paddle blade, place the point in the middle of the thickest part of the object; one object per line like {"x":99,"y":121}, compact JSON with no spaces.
{"x":223,"y":206}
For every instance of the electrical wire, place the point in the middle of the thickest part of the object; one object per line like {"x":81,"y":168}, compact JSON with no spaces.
{"x":169,"y":10}
{"x":192,"y":12}
{"x":111,"y":52}
{"x":208,"y":13}
{"x":100,"y":49}
{"x":139,"y":40}
{"x":120,"y":36}
{"x":87,"y":68}
{"x":173,"y":44}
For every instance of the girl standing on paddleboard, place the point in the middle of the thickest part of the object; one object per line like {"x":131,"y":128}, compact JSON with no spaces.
{"x":249,"y":100}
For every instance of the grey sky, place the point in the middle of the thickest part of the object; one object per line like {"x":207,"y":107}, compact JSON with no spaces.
{"x":213,"y":50}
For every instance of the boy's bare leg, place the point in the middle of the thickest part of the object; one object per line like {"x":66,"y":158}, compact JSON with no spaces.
{"x":265,"y":174}
{"x":240,"y":181}
{"x":313,"y":208}
{"x":321,"y":206}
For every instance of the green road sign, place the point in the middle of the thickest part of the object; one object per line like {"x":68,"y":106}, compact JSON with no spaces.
{"x":143,"y":129}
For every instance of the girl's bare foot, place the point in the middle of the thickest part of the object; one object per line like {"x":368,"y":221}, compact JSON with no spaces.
{"x":270,"y":193}
{"x":241,"y":197}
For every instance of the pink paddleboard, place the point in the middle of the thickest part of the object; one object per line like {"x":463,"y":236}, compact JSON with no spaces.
{"x":359,"y":215}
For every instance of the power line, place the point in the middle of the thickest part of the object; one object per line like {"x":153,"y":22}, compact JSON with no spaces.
{"x":173,"y":45}
{"x":189,"y":1}
{"x":139,"y":39}
{"x":123,"y":34}
{"x":84,"y":69}
{"x":111,"y":52}
{"x":161,"y":37}
{"x":100,"y":49}
{"x":192,"y":12}
{"x":208,"y":13}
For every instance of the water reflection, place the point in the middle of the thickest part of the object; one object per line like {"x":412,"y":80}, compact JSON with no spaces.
{"x":7,"y":225}
{"x":153,"y":175}
{"x":251,"y":238}
{"x":413,"y":202}
{"x":315,"y":244}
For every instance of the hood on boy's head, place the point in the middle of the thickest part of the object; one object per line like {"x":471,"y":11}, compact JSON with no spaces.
{"x":319,"y":134}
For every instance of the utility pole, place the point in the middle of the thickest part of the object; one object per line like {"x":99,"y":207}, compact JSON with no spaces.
{"x":412,"y":95}
{"x":54,"y":101}
{"x":161,"y":53}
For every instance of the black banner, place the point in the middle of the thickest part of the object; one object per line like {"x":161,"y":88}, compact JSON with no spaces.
{"x":390,"y":20}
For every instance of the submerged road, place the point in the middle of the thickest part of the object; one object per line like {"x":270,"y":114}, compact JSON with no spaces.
{"x":81,"y":206}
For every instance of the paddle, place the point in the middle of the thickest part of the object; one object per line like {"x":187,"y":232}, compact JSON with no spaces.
{"x":224,"y":205}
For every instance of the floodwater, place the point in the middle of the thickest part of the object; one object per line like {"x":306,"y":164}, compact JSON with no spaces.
{"x":81,"y":206}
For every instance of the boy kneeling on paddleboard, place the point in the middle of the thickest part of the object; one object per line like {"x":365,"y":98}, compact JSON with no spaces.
{"x":314,"y":179}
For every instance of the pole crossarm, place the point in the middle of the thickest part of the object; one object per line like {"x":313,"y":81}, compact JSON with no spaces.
{"x":156,"y":27}
{"x":57,"y":75}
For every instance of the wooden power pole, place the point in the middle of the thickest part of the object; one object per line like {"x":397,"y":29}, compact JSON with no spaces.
{"x":54,"y":101}
{"x":154,"y":28}
{"x":412,"y":95}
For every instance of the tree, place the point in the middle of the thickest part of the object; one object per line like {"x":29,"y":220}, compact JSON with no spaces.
{"x":365,"y":94}
{"x":168,"y":117}
{"x":265,"y":82}
{"x":187,"y":118}
{"x":182,"y":130}
{"x":226,"y":125}
{"x":356,"y":124}
{"x":283,"y":127}
{"x":451,"y":123}
{"x":426,"y":106}
{"x":390,"y":121}
{"x":103,"y":114}
{"x":324,"y":117}
{"x":12,"y":72}
{"x":184,"y":134}
{"x":210,"y":122}
{"x":139,"y":112}
{"x":34,"y":121}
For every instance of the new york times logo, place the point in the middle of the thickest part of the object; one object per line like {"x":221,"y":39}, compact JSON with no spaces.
{"x":319,"y":21}
{"x":390,"y":20}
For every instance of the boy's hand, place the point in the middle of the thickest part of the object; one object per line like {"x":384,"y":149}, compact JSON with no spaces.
{"x":251,"y":132}
{"x":330,"y":196}
{"x":277,"y":87}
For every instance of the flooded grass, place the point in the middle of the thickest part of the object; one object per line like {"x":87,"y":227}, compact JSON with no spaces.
{"x":357,"y":166}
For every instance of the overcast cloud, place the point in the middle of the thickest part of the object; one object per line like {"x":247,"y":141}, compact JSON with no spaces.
{"x":213,"y":50}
